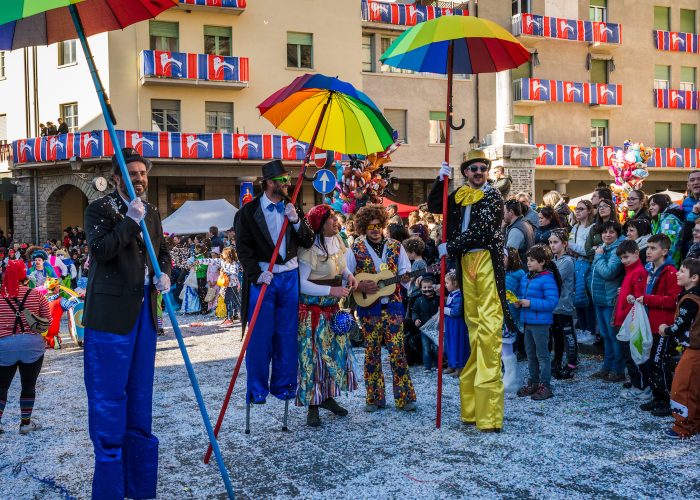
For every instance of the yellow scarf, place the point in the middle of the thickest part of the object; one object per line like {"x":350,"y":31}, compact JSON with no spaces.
{"x":467,"y":195}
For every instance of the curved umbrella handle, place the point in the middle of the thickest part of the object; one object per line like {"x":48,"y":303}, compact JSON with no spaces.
{"x":311,"y":178}
{"x":456,"y":127}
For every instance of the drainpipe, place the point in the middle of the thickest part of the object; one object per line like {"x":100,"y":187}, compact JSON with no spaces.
{"x":36,"y":206}
{"x":35,"y":80}
{"x":27,"y":104}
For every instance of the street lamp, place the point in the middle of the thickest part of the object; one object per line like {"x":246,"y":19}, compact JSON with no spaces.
{"x":473,"y":143}
{"x":76,"y":163}
{"x":395,"y":183}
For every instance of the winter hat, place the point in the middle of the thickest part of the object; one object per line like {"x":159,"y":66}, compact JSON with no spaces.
{"x":16,"y":271}
{"x":318,"y":216}
{"x":39,"y":254}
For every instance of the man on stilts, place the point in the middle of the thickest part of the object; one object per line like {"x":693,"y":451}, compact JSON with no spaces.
{"x":274,"y":341}
{"x":475,"y":241}
{"x":120,"y":335}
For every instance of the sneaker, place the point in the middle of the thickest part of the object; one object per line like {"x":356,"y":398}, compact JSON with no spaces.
{"x":226,"y":322}
{"x":31,"y":426}
{"x":331,"y":405}
{"x":495,"y":430}
{"x":556,"y":374}
{"x":650,"y":405}
{"x":671,"y":434}
{"x":312,"y":418}
{"x":527,"y":390}
{"x":632,"y":393}
{"x":1,"y":429}
{"x":161,"y":332}
{"x":410,"y":406}
{"x":645,"y":395}
{"x":601,"y":374}
{"x":567,"y":372}
{"x":448,"y":370}
{"x":615,"y":377}
{"x":585,"y":337}
{"x":662,"y":410}
{"x":543,"y":392}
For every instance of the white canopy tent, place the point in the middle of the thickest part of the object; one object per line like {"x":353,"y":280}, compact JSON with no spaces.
{"x":675,"y":197}
{"x":198,"y":216}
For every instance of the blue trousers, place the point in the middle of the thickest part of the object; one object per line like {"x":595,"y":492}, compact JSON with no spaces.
{"x":119,"y":383}
{"x":613,"y":359}
{"x":537,"y":349}
{"x":274,"y":340}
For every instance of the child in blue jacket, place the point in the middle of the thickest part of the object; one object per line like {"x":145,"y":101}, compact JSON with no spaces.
{"x":456,"y":334}
{"x":539,"y":298}
{"x":514,"y":275}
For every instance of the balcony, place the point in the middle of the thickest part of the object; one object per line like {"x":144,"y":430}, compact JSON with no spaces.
{"x":234,"y":7}
{"x":193,"y":70}
{"x":676,"y":99}
{"x":163,"y":145}
{"x":399,"y":14}
{"x":601,"y":37}
{"x":675,"y":41}
{"x":533,"y":90}
{"x":559,"y":155}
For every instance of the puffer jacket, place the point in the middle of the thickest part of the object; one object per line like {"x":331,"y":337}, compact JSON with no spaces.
{"x":634,"y":283}
{"x":582,"y":274}
{"x":566,"y":265}
{"x":542,"y":292}
{"x":606,"y":275}
{"x":661,"y":294}
{"x":513,"y":280}
{"x":670,"y":223}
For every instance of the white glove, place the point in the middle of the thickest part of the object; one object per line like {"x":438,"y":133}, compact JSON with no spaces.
{"x":442,"y":250}
{"x":136,"y":210}
{"x":291,"y":212}
{"x":162,"y":283}
{"x":445,"y":171}
{"x":446,"y":310}
{"x":265,"y":277}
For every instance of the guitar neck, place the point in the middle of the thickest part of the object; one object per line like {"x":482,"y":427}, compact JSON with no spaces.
{"x":412,"y":274}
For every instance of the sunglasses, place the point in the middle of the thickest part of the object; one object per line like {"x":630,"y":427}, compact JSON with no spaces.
{"x":374,"y":227}
{"x":282,"y":178}
{"x":478,"y":168}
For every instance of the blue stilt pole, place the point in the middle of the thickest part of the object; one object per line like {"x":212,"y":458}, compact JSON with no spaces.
{"x":110,"y":121}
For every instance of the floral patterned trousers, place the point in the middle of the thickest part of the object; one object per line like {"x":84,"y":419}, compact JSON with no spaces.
{"x":387,"y":327}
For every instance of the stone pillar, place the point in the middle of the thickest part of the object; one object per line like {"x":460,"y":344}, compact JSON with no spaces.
{"x":23,"y":207}
{"x":560,"y":185}
{"x":506,"y":145}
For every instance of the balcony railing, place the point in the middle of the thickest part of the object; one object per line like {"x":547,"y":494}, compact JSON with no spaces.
{"x":675,"y":41}
{"x":676,"y":99}
{"x":600,"y":94}
{"x":180,"y":68}
{"x":404,"y":14}
{"x":576,"y":156}
{"x":97,"y":143}
{"x":594,"y":32}
{"x":235,"y":7}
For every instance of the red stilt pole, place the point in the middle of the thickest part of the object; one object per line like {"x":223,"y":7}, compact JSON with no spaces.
{"x":263,"y":289}
{"x":443,"y":260}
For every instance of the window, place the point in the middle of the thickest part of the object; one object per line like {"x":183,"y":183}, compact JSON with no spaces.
{"x":688,"y":81}
{"x":219,"y":117}
{"x":524,"y":125}
{"x":368,"y":53}
{"x":688,"y":135}
{"x":662,"y":18}
{"x":687,"y":21}
{"x":177,"y":196}
{"x":598,"y":10}
{"x":397,"y":119}
{"x":165,"y":115}
{"x":164,"y":36}
{"x":2,"y":64}
{"x":69,"y":113}
{"x":520,"y":6}
{"x":386,"y":42}
{"x":438,"y":125}
{"x":300,"y":50}
{"x":217,"y":40}
{"x":662,"y":76}
{"x":599,"y":133}
{"x":3,"y":129}
{"x":662,"y":135}
{"x":599,"y":71}
{"x":522,"y":71}
{"x":66,"y":52}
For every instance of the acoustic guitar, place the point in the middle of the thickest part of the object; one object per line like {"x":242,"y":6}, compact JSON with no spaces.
{"x":386,"y":281}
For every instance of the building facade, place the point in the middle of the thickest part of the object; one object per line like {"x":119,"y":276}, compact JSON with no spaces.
{"x":185,"y":89}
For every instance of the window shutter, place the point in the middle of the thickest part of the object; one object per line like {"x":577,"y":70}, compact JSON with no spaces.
{"x":662,"y":72}
{"x":599,"y":123}
{"x":438,"y":115}
{"x":299,"y":38}
{"x":163,"y":28}
{"x":662,"y":135}
{"x":522,"y":120}
{"x":397,"y":119}
{"x":687,"y":21}
{"x":688,"y":134}
{"x":688,"y":74}
{"x":223,"y":31}
{"x":662,"y":19}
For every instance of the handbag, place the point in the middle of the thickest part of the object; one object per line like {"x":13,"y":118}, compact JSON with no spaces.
{"x":211,"y":294}
{"x":36,"y":323}
{"x":223,"y":280}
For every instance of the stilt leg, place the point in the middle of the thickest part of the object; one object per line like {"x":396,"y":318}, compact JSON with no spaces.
{"x":247,"y":417}
{"x":286,"y":414}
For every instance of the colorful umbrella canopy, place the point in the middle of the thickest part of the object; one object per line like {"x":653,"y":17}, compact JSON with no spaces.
{"x":480,"y":46}
{"x":17,"y":9}
{"x":50,"y":24}
{"x":352,"y":123}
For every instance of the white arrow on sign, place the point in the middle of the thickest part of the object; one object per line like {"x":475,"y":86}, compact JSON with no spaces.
{"x":324,"y":180}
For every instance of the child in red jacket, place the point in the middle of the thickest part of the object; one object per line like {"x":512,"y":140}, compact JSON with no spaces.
{"x":660,"y":299}
{"x":633,"y":286}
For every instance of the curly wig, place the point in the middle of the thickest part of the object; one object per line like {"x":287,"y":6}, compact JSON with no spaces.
{"x":367,"y":214}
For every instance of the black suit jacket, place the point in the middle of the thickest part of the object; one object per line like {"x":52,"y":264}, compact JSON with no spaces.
{"x":254,"y":243}
{"x":117,"y":259}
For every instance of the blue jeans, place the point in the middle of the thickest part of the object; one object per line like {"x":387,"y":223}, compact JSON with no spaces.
{"x":537,"y":349}
{"x":429,"y":352}
{"x":585,"y":318}
{"x":613,"y":360}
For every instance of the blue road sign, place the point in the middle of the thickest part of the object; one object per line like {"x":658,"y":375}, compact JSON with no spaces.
{"x":325,"y":181}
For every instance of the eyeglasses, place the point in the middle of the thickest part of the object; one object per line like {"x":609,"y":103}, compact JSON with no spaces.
{"x":284,"y":179}
{"x":480,"y":167}
{"x":374,"y":227}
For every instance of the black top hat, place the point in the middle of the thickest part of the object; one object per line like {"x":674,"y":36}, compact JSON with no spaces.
{"x":130,"y":156}
{"x":273,"y":169}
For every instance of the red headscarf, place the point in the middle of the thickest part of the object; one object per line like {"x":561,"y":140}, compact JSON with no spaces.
{"x":16,"y":271}
{"x":317,"y":216}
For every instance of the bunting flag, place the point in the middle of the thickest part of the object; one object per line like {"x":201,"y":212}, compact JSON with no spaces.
{"x":535,"y":89}
{"x":97,"y":143}
{"x":404,"y":14}
{"x":567,"y":29}
{"x":179,"y":65}
{"x":233,"y":4}
{"x":677,"y":41}
{"x":676,"y":99}
{"x":576,"y":156}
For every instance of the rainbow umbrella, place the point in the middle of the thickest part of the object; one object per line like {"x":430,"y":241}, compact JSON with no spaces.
{"x":327,"y":113}
{"x":61,"y":20}
{"x":448,"y":45}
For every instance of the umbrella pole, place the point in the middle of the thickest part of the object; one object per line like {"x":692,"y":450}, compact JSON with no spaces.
{"x":263,"y":289}
{"x":443,"y":260}
{"x":106,"y":111}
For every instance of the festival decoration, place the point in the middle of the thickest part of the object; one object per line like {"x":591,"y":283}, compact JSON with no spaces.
{"x":342,"y":323}
{"x":628,"y":166}
{"x":511,"y":297}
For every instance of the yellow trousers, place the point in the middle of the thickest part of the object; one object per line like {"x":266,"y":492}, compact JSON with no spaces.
{"x":480,"y":383}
